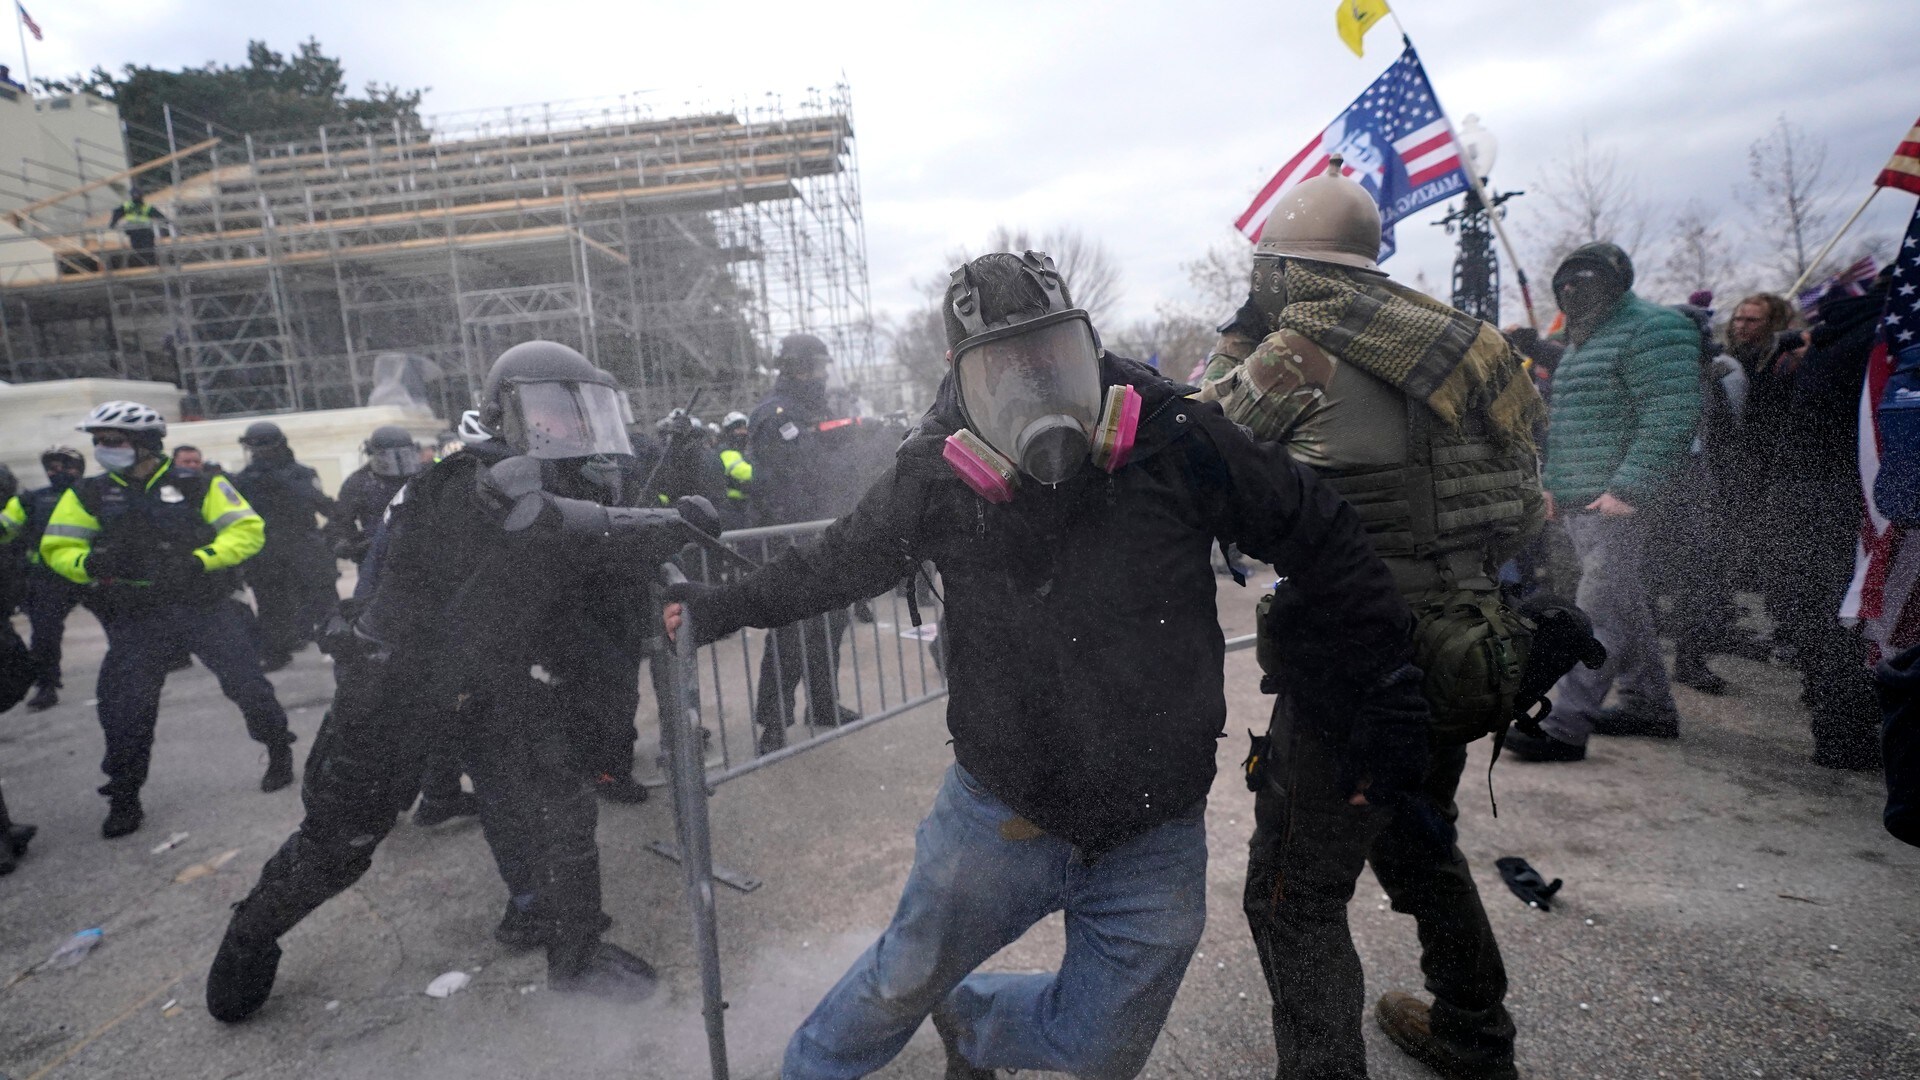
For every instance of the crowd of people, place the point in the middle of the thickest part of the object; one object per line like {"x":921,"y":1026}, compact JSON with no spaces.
{"x":1460,"y":519}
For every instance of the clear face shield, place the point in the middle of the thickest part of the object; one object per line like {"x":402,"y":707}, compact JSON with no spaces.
{"x":1032,"y":391}
{"x":559,"y":420}
{"x":394,"y":460}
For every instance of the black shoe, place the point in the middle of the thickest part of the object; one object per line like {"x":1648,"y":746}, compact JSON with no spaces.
{"x":520,"y":930}
{"x":841,"y":715}
{"x":1409,"y":1025}
{"x":771,"y":739}
{"x":242,"y":976}
{"x":620,"y":789}
{"x":1544,"y":748}
{"x":1637,"y":719}
{"x":18,"y":836}
{"x":123,"y":816}
{"x":46,"y":697}
{"x":1856,"y":759}
{"x":279,"y":767}
{"x":958,"y":1067}
{"x":433,"y":812}
{"x":604,"y":971}
{"x":1694,"y":672}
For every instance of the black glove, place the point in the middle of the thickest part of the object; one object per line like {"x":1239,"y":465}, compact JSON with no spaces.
{"x":108,"y":560}
{"x":1249,"y":322}
{"x":178,"y":567}
{"x":696,"y":511}
{"x":352,"y":550}
{"x":1526,"y":882}
{"x":1386,"y":756}
{"x":340,"y":640}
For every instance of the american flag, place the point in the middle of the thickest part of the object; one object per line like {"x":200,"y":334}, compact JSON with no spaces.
{"x":1903,"y":171}
{"x":1887,"y":563}
{"x":27,"y":21}
{"x":1396,"y":141}
{"x":1851,"y":282}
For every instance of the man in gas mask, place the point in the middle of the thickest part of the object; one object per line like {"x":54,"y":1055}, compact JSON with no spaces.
{"x":50,"y":598}
{"x":1421,"y":417}
{"x":498,"y":574}
{"x":293,"y":576}
{"x":1070,"y":499}
{"x":156,"y":551}
{"x":392,"y":456}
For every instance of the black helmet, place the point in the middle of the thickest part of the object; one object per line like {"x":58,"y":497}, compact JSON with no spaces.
{"x":803,"y":352}
{"x":63,"y":453}
{"x":391,"y":452}
{"x":263,"y":433}
{"x":547,"y":401}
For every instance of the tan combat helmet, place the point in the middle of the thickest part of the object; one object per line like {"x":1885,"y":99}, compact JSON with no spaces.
{"x":1328,"y":219}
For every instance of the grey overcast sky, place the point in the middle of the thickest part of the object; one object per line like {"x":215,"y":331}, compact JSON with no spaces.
{"x":1147,"y":124}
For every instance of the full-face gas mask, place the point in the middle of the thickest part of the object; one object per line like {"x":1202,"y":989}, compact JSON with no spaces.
{"x":1029,"y":389}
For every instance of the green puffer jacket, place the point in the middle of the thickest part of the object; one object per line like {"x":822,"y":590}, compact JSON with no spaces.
{"x":1625,"y":405}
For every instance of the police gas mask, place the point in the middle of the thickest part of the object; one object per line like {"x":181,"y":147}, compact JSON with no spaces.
{"x":1029,"y":389}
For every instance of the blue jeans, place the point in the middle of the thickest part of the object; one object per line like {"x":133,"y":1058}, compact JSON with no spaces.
{"x":1614,"y":595}
{"x":1133,"y":920}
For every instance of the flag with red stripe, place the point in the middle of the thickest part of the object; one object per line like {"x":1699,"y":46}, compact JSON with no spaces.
{"x":1903,"y":171}
{"x":1394,"y":139}
{"x":26,"y":20}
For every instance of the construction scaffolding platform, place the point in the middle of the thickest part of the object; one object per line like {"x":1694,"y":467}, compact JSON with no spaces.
{"x":672,"y":251}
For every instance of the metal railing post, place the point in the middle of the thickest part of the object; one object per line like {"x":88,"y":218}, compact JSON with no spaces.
{"x":686,"y":771}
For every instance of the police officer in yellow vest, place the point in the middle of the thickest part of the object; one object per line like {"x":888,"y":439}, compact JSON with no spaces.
{"x":1421,"y":417}
{"x":135,"y":218}
{"x":733,"y":458}
{"x":156,"y":549}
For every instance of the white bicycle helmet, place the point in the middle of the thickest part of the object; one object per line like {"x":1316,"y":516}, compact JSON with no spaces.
{"x":123,"y":416}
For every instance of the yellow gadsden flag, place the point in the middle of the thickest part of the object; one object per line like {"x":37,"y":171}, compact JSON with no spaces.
{"x":1355,"y":17}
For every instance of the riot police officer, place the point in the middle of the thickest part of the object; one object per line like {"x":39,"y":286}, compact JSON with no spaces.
{"x":49,"y":598}
{"x":496,"y":569}
{"x":157,"y":550}
{"x":1421,"y":417}
{"x":392,"y":457}
{"x":293,"y":577}
{"x":739,"y":469}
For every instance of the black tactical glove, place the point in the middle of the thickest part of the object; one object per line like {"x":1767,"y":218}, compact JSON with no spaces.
{"x":696,"y":511}
{"x":179,"y":567}
{"x":1249,"y":322}
{"x":1526,"y":882}
{"x":340,"y":640}
{"x":108,"y":560}
{"x":1386,"y":757}
{"x":352,"y":550}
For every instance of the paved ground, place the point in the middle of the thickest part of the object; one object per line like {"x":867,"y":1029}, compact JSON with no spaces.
{"x":1708,"y":883}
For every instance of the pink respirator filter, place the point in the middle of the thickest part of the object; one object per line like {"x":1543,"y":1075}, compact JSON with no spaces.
{"x":1119,"y":422}
{"x":980,"y":466}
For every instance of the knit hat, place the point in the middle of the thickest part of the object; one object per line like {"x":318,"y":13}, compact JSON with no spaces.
{"x":1602,"y":257}
{"x":1701,"y":298}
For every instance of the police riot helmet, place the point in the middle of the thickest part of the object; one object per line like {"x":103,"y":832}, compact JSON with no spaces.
{"x":391,"y":452}
{"x":547,"y":401}
{"x":736,"y":421}
{"x":1327,"y":219}
{"x":262,"y":434}
{"x":802,"y":353}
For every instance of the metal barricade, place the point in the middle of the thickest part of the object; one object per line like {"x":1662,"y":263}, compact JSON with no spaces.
{"x":725,"y":711}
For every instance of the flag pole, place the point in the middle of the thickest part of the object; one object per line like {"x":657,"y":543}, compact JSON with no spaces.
{"x":20,"y":27}
{"x":1818,"y":259}
{"x":1473,"y":182}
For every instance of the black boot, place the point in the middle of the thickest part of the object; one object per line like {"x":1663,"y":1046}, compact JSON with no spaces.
{"x":619,"y":789}
{"x":841,"y":715}
{"x":600,"y":969}
{"x":124,"y":816}
{"x":520,"y":930}
{"x":1690,"y":669}
{"x":45,"y":697}
{"x":432,"y":812}
{"x":13,"y":839}
{"x":279,"y":767}
{"x":242,"y":974}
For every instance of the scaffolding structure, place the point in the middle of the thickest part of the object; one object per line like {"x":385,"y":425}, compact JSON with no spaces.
{"x":673,"y":251}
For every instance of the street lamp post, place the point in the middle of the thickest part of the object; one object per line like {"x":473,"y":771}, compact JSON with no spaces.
{"x":1476,"y":268}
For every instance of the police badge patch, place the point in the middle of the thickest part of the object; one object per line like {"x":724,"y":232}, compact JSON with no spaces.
{"x":170,"y":494}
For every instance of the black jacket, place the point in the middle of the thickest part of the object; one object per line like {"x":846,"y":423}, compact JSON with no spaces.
{"x":809,"y":464}
{"x":363,"y":497}
{"x":287,"y":496}
{"x":1084,"y":651}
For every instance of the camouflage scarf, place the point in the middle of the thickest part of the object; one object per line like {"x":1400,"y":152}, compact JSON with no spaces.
{"x":1450,"y":360}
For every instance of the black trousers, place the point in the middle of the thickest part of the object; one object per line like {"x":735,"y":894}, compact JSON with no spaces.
{"x":141,"y":646}
{"x":537,"y":812}
{"x":293,"y":601}
{"x":809,"y":650}
{"x":50,"y":599}
{"x":1308,"y":847}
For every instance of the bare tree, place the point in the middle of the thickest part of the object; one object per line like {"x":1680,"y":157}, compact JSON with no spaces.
{"x":1220,"y":279}
{"x":1585,"y":197}
{"x":1789,"y":195}
{"x":1697,"y":256}
{"x":1091,"y":274}
{"x":1176,"y":342}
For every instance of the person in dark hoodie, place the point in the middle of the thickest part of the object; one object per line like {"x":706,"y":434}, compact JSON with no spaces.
{"x":293,"y":575}
{"x":1070,"y":499}
{"x":1813,"y":513}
